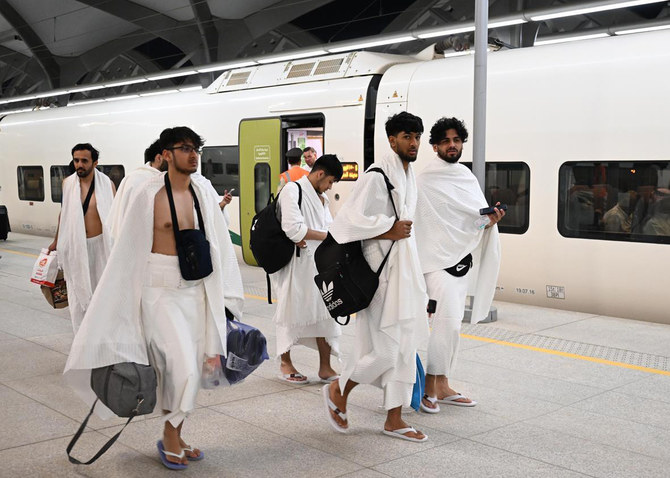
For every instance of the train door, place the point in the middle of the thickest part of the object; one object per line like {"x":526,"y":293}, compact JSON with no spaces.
{"x":260,"y":159}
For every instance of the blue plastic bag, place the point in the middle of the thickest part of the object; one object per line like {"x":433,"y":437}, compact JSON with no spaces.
{"x":247,"y":348}
{"x":419,"y":385}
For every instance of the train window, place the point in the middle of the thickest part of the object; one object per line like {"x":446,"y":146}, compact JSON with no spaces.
{"x":116,"y":172}
{"x":31,"y":183}
{"x":221,"y":165}
{"x":262,"y":184}
{"x":509,"y":183}
{"x":58,"y":173}
{"x":615,"y":200}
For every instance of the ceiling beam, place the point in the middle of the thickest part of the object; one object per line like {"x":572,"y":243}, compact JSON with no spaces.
{"x":37,"y":47}
{"x":207,"y":29}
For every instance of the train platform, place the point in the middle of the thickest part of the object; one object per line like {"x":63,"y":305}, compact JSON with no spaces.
{"x":561,"y":394}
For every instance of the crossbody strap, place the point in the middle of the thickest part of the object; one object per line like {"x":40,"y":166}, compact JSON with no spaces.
{"x":173,"y":211}
{"x":389,"y":187}
{"x":105,"y":447}
{"x":89,"y":195}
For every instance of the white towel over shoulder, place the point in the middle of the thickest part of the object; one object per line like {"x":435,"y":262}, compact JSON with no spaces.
{"x":124,"y":194}
{"x":449,"y":199}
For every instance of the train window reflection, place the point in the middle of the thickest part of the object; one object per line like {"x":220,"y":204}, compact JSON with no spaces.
{"x":116,"y":172}
{"x":261,"y":185}
{"x":58,"y":174}
{"x":615,"y":200}
{"x":31,"y":183}
{"x":221,"y":165}
{"x":509,"y":183}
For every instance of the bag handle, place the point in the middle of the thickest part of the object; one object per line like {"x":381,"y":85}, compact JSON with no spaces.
{"x":389,"y":187}
{"x":107,"y":445}
{"x":173,"y":211}
{"x":88,"y":196}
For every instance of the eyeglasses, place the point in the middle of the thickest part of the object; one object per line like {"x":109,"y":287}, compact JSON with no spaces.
{"x":186,"y":148}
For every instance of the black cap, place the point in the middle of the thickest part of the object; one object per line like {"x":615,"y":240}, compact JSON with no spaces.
{"x":294,"y":153}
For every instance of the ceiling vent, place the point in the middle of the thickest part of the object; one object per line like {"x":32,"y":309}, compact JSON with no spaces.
{"x":300,"y":70}
{"x":329,"y":66}
{"x":238,"y":78}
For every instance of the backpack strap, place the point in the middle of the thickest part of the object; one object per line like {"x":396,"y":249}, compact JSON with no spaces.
{"x":88,"y":196}
{"x":389,"y":187}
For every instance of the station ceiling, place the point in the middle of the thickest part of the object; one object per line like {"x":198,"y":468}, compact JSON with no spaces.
{"x":51,"y":44}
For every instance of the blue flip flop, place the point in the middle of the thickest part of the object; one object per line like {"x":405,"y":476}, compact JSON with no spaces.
{"x":189,"y":449}
{"x":168,"y":464}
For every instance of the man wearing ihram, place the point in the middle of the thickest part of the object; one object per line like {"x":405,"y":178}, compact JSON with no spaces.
{"x":301,"y":316}
{"x":390,"y":330}
{"x":451,"y":229}
{"x":161,"y":299}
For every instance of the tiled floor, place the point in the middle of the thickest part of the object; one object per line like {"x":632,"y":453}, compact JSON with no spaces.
{"x":538,"y":415}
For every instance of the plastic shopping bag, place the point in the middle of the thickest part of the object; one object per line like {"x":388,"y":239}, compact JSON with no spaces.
{"x":45,"y":269}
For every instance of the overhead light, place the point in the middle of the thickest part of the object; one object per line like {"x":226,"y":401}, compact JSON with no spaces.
{"x":174,"y":74}
{"x":642,"y":30}
{"x":459,"y":53}
{"x":551,"y":41}
{"x":507,"y":23}
{"x":293,"y":56}
{"x":229,"y":66}
{"x":159,"y":92}
{"x":51,"y":93}
{"x":86,"y":88}
{"x":449,"y":31}
{"x":370,"y":44}
{"x":130,"y":81}
{"x":603,"y":6}
{"x":12,"y":112}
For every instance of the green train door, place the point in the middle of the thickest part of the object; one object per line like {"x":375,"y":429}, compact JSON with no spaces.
{"x":260,"y":162}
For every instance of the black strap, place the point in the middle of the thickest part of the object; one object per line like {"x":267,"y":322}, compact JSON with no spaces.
{"x":173,"y":211}
{"x":346,"y":322}
{"x":267,"y":277}
{"x":88,"y":196}
{"x":297,"y":249}
{"x":389,"y":187}
{"x":104,"y":448}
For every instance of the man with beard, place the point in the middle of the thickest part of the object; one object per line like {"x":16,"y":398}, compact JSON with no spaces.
{"x":301,"y":316}
{"x":155,"y":309}
{"x":153,"y":165}
{"x":451,"y":231}
{"x":309,"y":154}
{"x":389,"y":331}
{"x":82,"y":240}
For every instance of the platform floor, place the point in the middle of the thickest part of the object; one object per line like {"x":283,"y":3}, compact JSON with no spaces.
{"x":561,"y":394}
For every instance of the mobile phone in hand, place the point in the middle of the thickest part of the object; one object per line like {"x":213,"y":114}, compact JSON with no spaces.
{"x":490,"y":210}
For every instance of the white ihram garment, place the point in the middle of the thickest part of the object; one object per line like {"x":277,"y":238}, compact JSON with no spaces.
{"x":449,"y":201}
{"x":391,"y":329}
{"x":82,"y":269}
{"x":301,"y":316}
{"x":124,"y":194}
{"x":113,"y":330}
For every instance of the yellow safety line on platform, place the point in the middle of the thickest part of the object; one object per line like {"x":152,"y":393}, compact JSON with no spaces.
{"x":567,"y":354}
{"x":486,"y":339}
{"x":19,"y":253}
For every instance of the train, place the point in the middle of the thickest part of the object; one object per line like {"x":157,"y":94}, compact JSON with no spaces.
{"x":575,"y":146}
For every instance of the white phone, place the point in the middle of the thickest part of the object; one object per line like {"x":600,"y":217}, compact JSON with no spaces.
{"x":231,"y":191}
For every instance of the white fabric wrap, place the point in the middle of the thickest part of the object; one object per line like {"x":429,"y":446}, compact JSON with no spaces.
{"x":400,"y":301}
{"x":124,"y":194}
{"x":299,"y":300}
{"x":448,"y":207}
{"x":111,"y":331}
{"x":72,"y":257}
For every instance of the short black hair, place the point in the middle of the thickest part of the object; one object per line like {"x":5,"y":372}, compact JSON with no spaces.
{"x":440,"y":128}
{"x":151,"y":152}
{"x":179,"y":134}
{"x":403,"y":121}
{"x":308,"y":148}
{"x":330,"y":164}
{"x":293,"y":155}
{"x":86,"y":147}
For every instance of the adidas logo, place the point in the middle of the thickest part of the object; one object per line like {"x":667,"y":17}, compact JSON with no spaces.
{"x":327,"y":291}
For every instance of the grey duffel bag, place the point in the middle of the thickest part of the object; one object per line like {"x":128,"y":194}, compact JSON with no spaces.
{"x":127,"y":389}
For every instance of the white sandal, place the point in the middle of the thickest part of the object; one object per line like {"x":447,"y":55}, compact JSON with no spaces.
{"x":432,"y":401}
{"x":331,"y":406}
{"x":400,"y":433}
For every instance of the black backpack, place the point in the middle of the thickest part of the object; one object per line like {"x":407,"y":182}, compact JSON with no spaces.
{"x":267,"y":240}
{"x":345,"y":279}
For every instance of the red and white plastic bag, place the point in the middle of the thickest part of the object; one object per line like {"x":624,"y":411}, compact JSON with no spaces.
{"x":45,"y":269}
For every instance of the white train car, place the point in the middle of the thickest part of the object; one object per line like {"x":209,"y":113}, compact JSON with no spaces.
{"x":575,"y":146}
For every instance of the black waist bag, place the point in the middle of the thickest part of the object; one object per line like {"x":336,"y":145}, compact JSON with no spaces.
{"x":345,"y":279}
{"x":462,"y":268}
{"x":195,"y":260}
{"x":127,"y":389}
{"x":267,"y":240}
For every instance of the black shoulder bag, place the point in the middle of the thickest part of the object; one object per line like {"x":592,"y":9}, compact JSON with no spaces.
{"x":195,"y":260}
{"x":88,"y":196}
{"x":345,"y":279}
